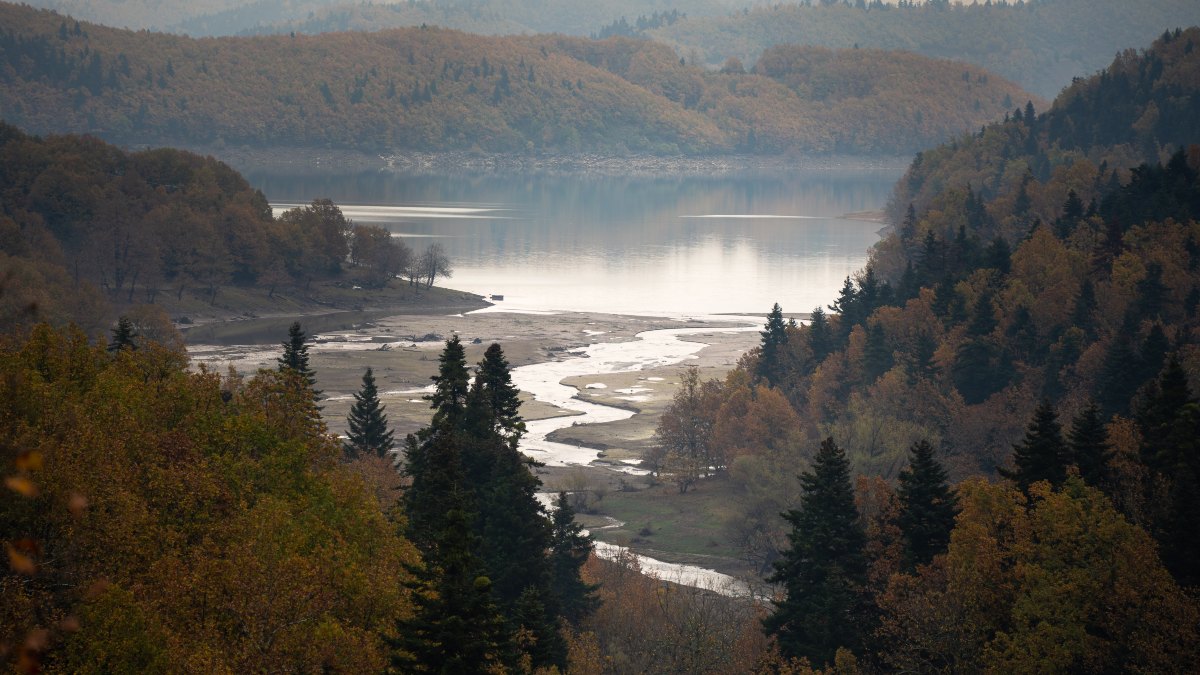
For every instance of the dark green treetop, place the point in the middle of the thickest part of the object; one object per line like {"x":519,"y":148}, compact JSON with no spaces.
{"x":825,"y":570}
{"x":927,"y":504}
{"x":368,"y":426}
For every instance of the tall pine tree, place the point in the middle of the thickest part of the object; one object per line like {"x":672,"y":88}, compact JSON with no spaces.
{"x":123,"y":336}
{"x":569,"y":550}
{"x":368,"y":426}
{"x":1042,"y":454}
{"x":927,"y":506}
{"x":295,"y":357}
{"x":774,"y":341}
{"x":1088,"y":444}
{"x":825,"y":570}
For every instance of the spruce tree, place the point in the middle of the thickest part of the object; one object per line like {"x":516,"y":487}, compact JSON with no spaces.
{"x":456,"y":627}
{"x":500,"y":400}
{"x":847,"y":308}
{"x":820,"y":336}
{"x":569,"y":550}
{"x":774,"y":341}
{"x":1042,"y":454}
{"x":368,"y":426}
{"x":451,"y":386}
{"x":1088,"y":444}
{"x":927,"y":506}
{"x":123,"y":336}
{"x":295,"y":357}
{"x":824,"y":571}
{"x":1170,"y":424}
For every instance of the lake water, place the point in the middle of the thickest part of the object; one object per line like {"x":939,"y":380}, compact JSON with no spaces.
{"x":666,"y":246}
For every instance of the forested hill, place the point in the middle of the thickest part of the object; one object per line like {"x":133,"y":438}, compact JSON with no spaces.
{"x":1041,"y":44}
{"x":438,"y":89}
{"x":1025,"y":269}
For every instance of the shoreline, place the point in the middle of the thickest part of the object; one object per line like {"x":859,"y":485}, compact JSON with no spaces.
{"x":322,"y":160}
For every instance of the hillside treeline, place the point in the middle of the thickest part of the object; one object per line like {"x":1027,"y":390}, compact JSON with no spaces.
{"x":85,"y":226}
{"x":1041,"y":44}
{"x":432,"y":89}
{"x":1029,"y":328}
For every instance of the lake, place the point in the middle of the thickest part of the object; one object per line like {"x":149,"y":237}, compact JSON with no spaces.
{"x":666,"y":246}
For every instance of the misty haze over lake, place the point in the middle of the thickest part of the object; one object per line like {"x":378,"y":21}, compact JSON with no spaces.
{"x":650,"y":245}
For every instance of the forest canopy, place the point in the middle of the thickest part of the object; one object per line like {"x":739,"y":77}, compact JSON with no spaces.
{"x":434,"y":89}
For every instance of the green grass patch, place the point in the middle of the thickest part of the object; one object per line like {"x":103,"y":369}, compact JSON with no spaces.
{"x":685,"y":528}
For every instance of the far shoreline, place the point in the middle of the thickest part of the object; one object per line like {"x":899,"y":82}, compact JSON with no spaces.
{"x":410,"y":162}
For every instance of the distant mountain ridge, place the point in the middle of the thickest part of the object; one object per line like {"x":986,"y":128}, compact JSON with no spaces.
{"x":1039,"y":44}
{"x":434,"y":89}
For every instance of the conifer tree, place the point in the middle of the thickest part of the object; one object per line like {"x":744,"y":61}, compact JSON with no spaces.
{"x":295,"y":356}
{"x":124,"y":336}
{"x":368,"y":426}
{"x":451,"y":386}
{"x":824,"y":571}
{"x":1170,"y":424}
{"x":847,"y":308}
{"x":456,"y":627}
{"x":500,"y":400}
{"x":820,"y":336}
{"x":1088,"y":444}
{"x":774,"y":340}
{"x":569,"y":550}
{"x":1042,"y":454}
{"x":927,"y":504}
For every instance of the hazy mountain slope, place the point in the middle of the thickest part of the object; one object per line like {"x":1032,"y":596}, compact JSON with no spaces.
{"x":436,"y":89}
{"x":1041,"y":45}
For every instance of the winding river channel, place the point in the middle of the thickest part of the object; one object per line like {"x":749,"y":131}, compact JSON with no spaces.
{"x":648,"y":349}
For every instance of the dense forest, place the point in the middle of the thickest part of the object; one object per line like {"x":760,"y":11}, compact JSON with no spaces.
{"x":432,"y":89}
{"x":87,"y":229}
{"x":1027,"y":331}
{"x":157,"y":519}
{"x":1040,"y":44}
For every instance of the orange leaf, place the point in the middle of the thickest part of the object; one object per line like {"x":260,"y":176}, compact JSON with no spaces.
{"x":21,"y":485}
{"x":19,"y":562}
{"x":29,"y":460}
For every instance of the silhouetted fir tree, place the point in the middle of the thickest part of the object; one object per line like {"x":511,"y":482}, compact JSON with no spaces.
{"x":922,"y":365}
{"x":500,"y":400}
{"x":774,"y":340}
{"x":456,"y":627}
{"x":927,"y":506}
{"x":1169,"y":420}
{"x":908,"y":228}
{"x":945,"y":297}
{"x":846,"y":307}
{"x":295,"y":357}
{"x":824,"y":570}
{"x":820,"y":336}
{"x":1153,"y":353}
{"x":569,"y":550}
{"x":1120,"y":373}
{"x":451,"y":385}
{"x":877,"y":357}
{"x":368,"y":432}
{"x":1087,"y":441}
{"x":932,"y":259}
{"x":1042,"y":454}
{"x":975,"y":371}
{"x":123,"y":336}
{"x":867,"y":298}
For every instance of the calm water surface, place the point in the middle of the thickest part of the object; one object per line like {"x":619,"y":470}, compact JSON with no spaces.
{"x":662,"y":245}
